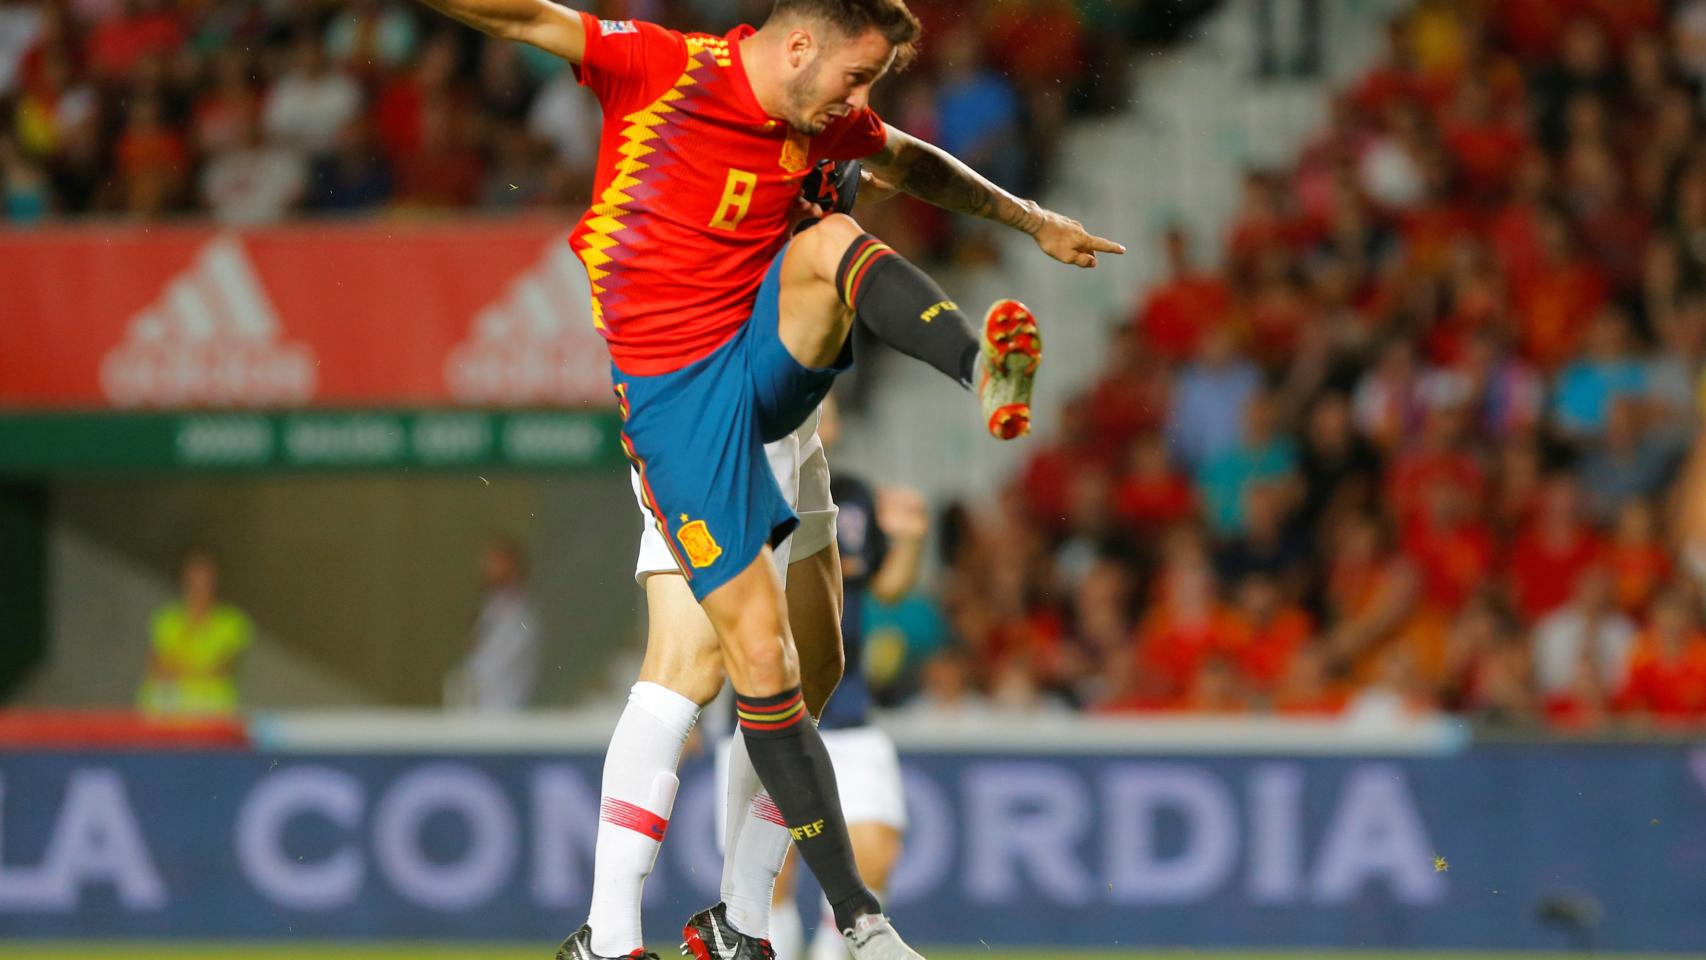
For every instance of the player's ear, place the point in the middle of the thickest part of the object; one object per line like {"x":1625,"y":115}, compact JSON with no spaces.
{"x":800,"y":45}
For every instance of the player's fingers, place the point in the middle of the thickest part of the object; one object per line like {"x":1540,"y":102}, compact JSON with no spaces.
{"x":1105,"y":245}
{"x":1085,"y":260}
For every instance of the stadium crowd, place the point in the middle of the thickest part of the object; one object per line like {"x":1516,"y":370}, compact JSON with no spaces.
{"x":1413,"y":447}
{"x":257,"y":110}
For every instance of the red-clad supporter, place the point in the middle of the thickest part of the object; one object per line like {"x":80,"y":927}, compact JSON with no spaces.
{"x":1152,"y":496}
{"x":443,"y":171}
{"x":401,"y":112}
{"x":1440,"y":458}
{"x":1451,"y":546}
{"x":1551,"y":555}
{"x":153,"y":160}
{"x":1305,"y":691}
{"x":1637,"y":559}
{"x":1268,"y":634}
{"x":1482,"y":140}
{"x":1172,"y":318}
{"x":1667,"y":668}
{"x":146,"y":28}
{"x":1186,"y":626}
{"x":1554,"y":302}
{"x":1132,"y":399}
{"x":1047,"y":476}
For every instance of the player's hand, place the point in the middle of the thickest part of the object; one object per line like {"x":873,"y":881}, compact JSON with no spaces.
{"x":1066,"y":240}
{"x":901,"y":513}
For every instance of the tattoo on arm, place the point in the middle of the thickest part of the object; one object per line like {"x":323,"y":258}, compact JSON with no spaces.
{"x":933,"y":175}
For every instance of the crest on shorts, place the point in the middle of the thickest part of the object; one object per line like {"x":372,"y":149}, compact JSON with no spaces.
{"x":701,"y":547}
{"x":796,"y":152}
{"x":610,"y":28}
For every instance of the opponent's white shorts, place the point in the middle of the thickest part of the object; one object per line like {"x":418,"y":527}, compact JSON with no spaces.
{"x":867,"y":775}
{"x":802,"y":471}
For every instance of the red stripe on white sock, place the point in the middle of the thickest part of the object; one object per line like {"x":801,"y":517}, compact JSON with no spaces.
{"x":765,"y":808}
{"x":621,"y":813}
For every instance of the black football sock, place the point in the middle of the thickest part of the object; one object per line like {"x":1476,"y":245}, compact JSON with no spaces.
{"x":789,"y":757}
{"x":906,"y":309}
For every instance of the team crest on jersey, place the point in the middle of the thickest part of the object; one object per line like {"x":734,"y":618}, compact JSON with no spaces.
{"x":701,"y":547}
{"x":609,"y":28}
{"x":796,"y":152}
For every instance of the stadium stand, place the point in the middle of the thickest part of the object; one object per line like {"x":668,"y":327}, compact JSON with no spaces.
{"x":1410,"y":447}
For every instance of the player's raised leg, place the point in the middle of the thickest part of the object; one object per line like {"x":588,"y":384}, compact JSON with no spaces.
{"x":836,"y":271}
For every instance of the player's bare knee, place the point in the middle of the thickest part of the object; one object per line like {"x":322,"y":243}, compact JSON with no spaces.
{"x":829,"y":241}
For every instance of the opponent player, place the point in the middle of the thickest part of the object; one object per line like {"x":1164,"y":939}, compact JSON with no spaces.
{"x":724,"y":336}
{"x":880,"y":537}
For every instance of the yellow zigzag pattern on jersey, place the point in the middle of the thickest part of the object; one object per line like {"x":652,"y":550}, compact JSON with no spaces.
{"x":641,"y":128}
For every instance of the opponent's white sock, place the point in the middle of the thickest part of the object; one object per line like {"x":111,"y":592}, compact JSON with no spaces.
{"x":826,"y":940}
{"x":638,"y":796}
{"x":787,"y":933}
{"x":757,"y":843}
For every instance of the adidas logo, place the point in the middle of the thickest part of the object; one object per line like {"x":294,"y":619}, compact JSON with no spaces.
{"x":537,"y":345}
{"x":211,"y":340}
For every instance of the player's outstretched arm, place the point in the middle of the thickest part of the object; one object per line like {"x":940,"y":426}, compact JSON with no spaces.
{"x":932,"y":174}
{"x":551,"y":27}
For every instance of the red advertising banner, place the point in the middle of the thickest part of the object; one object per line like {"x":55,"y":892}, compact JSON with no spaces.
{"x":371,"y":315}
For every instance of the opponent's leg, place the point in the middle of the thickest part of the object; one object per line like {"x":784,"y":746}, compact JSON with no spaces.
{"x":681,"y":672}
{"x":781,"y":740}
{"x":835,"y":271}
{"x":787,"y":933}
{"x":758,"y":838}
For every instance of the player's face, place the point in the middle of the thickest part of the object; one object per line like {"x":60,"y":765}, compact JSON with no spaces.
{"x":836,"y":79}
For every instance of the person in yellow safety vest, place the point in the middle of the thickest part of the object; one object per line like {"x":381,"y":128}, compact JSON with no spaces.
{"x":196,"y":646}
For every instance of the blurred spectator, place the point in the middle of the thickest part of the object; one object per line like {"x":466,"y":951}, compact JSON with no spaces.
{"x":1637,"y":559}
{"x":1667,"y":667}
{"x":443,"y":171}
{"x":196,"y":646}
{"x":1588,"y":387}
{"x":977,"y":112}
{"x":1554,"y":552}
{"x":1263,"y":456}
{"x":153,"y":161}
{"x":144,"y":28}
{"x":25,"y":191}
{"x":311,"y":102}
{"x":946,"y":691}
{"x":1210,"y":402}
{"x":1172,"y":319}
{"x":501,"y":669}
{"x":1589,"y":628}
{"x":1627,"y":463}
{"x":21,"y":24}
{"x":372,"y":36}
{"x":252,"y":182}
{"x":354,"y":176}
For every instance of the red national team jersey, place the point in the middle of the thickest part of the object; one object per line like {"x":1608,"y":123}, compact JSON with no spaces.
{"x":695,"y":185}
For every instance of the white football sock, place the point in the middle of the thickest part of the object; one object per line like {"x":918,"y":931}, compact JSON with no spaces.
{"x":757,"y":843}
{"x":826,"y":942}
{"x":787,"y":933}
{"x":638,"y":796}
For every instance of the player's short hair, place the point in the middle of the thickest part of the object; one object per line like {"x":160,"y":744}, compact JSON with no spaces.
{"x":891,"y":18}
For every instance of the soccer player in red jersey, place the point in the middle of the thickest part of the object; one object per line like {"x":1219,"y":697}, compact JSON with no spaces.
{"x":724,"y":335}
